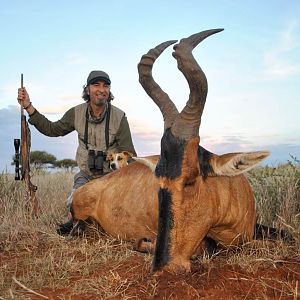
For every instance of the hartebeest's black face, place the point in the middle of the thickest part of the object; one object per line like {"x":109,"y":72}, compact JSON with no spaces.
{"x":171,"y":156}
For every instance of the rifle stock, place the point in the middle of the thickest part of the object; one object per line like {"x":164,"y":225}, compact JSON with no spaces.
{"x":31,"y":202}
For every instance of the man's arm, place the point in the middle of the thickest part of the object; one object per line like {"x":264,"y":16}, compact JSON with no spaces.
{"x":62,"y":127}
{"x":123,"y":137}
{"x":59,"y":128}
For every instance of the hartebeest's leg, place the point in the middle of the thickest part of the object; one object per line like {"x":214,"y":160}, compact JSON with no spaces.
{"x":146,"y":245}
{"x":76,"y":224}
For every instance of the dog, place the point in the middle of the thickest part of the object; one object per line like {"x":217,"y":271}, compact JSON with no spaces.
{"x":118,"y":160}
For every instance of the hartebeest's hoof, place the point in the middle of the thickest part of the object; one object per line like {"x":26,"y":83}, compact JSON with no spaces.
{"x":78,"y":229}
{"x":178,"y":266}
{"x":144,"y":245}
{"x":65,"y":228}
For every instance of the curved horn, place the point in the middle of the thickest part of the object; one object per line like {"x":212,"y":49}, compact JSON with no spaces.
{"x":188,"y":122}
{"x":162,"y":100}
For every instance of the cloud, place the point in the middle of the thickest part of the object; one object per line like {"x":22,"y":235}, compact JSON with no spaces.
{"x":283,"y":60}
{"x":61,"y":147}
{"x":226,"y":144}
{"x":54,"y":110}
{"x":65,"y":103}
{"x":281,"y":151}
{"x":144,"y":132}
{"x":146,"y":141}
{"x":10,"y":129}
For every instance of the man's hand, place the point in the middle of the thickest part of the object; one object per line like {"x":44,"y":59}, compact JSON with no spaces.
{"x":23,"y":97}
{"x":24,"y":101}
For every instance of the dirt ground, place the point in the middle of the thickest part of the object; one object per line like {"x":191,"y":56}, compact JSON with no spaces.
{"x":215,"y":281}
{"x":131,"y":278}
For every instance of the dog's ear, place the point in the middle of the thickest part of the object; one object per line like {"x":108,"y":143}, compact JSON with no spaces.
{"x":109,"y":157}
{"x":127,"y":154}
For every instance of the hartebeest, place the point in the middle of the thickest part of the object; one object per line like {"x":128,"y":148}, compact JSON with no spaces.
{"x":194,"y":194}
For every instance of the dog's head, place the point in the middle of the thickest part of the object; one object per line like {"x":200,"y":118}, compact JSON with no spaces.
{"x":118,"y":160}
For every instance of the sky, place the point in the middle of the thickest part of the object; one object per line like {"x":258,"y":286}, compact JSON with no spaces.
{"x":252,"y":68}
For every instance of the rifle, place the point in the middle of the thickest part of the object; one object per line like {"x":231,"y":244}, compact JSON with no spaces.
{"x":22,"y":156}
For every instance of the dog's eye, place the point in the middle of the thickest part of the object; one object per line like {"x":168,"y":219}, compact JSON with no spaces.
{"x":120,"y":158}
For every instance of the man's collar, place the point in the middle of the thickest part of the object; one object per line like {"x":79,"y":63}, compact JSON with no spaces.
{"x":92,"y":118}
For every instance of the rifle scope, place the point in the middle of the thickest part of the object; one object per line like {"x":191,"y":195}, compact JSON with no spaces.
{"x":17,"y":158}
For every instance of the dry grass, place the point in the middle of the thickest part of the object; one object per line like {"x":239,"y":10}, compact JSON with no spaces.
{"x":100,"y":267}
{"x":277,"y":192}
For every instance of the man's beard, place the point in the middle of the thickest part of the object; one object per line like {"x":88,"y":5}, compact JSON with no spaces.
{"x":100,"y":102}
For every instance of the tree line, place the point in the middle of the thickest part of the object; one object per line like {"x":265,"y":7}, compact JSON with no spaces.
{"x":43,"y":159}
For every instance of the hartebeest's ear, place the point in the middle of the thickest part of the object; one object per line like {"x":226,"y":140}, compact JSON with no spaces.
{"x":232,"y":164}
{"x":149,"y":162}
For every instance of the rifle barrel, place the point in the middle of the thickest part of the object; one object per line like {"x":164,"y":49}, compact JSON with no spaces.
{"x":22,"y":109}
